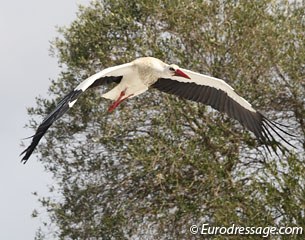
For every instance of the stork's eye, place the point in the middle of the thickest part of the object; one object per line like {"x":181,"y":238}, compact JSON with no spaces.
{"x":172,"y":69}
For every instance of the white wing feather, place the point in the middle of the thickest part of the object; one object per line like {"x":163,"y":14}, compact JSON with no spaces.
{"x":205,"y":80}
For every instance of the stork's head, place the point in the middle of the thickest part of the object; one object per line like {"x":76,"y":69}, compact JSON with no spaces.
{"x":155,"y":67}
{"x":174,"y":70}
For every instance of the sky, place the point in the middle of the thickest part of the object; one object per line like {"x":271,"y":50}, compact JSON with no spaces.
{"x":26,"y":29}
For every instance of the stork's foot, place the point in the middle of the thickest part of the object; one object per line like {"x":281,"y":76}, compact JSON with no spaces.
{"x":118,"y":101}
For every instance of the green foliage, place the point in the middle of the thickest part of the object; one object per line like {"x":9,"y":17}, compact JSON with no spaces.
{"x":159,"y":164}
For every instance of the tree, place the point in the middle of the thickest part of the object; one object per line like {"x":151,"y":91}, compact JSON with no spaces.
{"x":159,"y":164}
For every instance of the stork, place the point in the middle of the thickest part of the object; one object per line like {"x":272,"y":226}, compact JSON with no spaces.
{"x":143,"y":73}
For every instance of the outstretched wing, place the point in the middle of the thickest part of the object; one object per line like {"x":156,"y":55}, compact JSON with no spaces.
{"x":109,"y":75}
{"x":222,"y":97}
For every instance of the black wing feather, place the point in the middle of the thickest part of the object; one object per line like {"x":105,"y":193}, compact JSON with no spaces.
{"x":61,"y":108}
{"x":106,"y":80}
{"x":221,"y":101}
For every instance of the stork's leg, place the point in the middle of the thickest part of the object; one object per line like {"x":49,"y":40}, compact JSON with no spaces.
{"x":120,"y":99}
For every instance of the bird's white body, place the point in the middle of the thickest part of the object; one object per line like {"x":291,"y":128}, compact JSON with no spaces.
{"x":137,"y":78}
{"x":139,"y":75}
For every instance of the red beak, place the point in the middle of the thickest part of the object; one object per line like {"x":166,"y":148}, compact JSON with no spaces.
{"x":179,"y":73}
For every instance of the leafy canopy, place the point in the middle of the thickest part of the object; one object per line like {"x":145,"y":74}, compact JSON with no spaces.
{"x":159,"y":164}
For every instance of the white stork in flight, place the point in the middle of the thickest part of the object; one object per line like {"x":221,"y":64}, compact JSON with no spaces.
{"x":137,"y":76}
